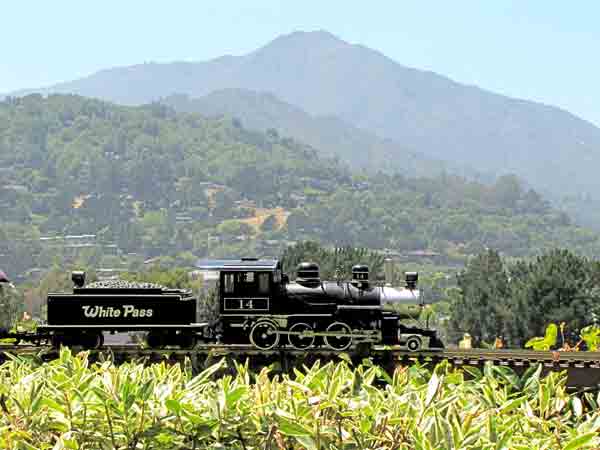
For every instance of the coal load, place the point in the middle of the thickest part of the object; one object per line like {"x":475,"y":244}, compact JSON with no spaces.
{"x":124,"y":284}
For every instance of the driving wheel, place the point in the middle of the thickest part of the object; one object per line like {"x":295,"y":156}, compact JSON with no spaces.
{"x":298,"y":340}
{"x":264,"y":335}
{"x":413,"y":343}
{"x":344,"y":338}
{"x":187,"y":341}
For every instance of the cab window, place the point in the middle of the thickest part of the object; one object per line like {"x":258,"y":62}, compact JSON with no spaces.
{"x":263,"y":283}
{"x":229,"y":287}
{"x":246,"y":284}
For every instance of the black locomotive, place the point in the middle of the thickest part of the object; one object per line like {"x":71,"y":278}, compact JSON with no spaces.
{"x":257,"y":305}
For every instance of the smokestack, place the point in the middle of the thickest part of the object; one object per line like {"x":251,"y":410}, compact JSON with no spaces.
{"x":388,"y":268}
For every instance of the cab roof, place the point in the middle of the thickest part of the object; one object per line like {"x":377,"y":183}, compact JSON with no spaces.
{"x":239,"y":264}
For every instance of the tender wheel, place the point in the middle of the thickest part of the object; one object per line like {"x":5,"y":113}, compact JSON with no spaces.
{"x":93,"y":341}
{"x":187,"y":341}
{"x":58,"y":340}
{"x":155,"y":340}
{"x":264,"y":335}
{"x":339,"y":342}
{"x":300,"y":342}
{"x":414,"y":343}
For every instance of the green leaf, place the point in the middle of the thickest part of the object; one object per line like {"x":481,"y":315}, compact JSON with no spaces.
{"x":505,"y":437}
{"x":492,"y":432}
{"x":474,"y":372}
{"x":173,"y":406}
{"x":234,"y":395}
{"x":576,"y":406}
{"x":432,"y":389}
{"x":307,"y":442}
{"x":512,"y":404}
{"x":298,"y":386}
{"x":290,"y":428}
{"x":580,"y":441}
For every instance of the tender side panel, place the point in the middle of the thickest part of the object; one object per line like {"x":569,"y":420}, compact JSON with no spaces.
{"x":73,"y":309}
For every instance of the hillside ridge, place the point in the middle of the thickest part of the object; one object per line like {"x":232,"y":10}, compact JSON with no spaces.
{"x":89,"y":181}
{"x":554,"y":150}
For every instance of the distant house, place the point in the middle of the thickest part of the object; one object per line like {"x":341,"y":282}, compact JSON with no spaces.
{"x":109,"y":273}
{"x":152,"y":261}
{"x":422,"y":254}
{"x":16,"y":187}
{"x":182,"y":218}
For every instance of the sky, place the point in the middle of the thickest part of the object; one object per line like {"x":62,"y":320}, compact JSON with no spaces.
{"x":545,"y":51}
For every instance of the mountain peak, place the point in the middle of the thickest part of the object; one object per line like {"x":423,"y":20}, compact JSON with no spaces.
{"x":304,"y":39}
{"x":308,"y":37}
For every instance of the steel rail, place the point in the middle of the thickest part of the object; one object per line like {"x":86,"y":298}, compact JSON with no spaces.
{"x":583,"y":368}
{"x":398,"y":352}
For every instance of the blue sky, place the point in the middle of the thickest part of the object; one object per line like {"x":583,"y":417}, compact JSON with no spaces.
{"x":539,"y":50}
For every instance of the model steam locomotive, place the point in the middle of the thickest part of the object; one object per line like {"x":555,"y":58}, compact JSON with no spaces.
{"x":257,"y":305}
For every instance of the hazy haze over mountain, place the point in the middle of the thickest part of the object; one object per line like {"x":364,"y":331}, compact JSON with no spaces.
{"x":330,"y":134}
{"x":422,"y":111}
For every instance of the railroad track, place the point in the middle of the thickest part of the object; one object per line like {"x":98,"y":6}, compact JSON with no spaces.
{"x":471,"y":355}
{"x":583,"y":368}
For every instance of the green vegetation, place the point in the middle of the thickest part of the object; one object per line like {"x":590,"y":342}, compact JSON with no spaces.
{"x":333,"y":263}
{"x":553,"y":150}
{"x":112,"y":186}
{"x":591,"y":336}
{"x":517,"y":300}
{"x":174,"y":278}
{"x":71,"y":403}
{"x":546,"y":342}
{"x":9,"y":307}
{"x":330,"y":135}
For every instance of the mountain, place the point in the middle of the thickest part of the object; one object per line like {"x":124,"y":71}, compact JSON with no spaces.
{"x":100,"y":182}
{"x":552,"y":149}
{"x":330,"y":135}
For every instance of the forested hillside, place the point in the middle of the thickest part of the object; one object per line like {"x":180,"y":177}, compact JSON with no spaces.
{"x":330,"y":135}
{"x":80,"y":178}
{"x":321,"y":74}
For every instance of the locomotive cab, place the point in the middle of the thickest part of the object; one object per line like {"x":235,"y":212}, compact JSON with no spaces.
{"x":247,"y":288}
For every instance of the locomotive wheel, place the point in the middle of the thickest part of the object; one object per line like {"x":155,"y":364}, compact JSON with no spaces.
{"x":58,"y":340}
{"x":300,"y":342}
{"x":93,"y":340}
{"x":264,"y":335}
{"x":187,"y":341}
{"x":436,"y":343}
{"x":338,"y":342}
{"x":414,"y":343}
{"x":155,"y":340}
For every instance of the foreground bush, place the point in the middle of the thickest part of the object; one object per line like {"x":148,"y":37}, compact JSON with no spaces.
{"x":71,"y":403}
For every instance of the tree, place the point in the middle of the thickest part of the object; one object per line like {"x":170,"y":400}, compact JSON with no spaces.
{"x":558,"y":286}
{"x":11,"y":303}
{"x":519,"y":300}
{"x":230,"y":228}
{"x":223,"y":204}
{"x":172,"y":278}
{"x":507,"y":191}
{"x":332,"y":262}
{"x":480,"y":309}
